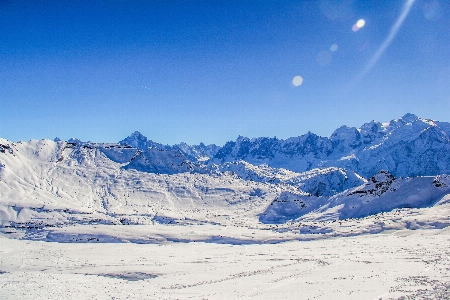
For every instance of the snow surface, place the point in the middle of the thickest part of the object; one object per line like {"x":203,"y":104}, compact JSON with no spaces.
{"x":395,"y":265}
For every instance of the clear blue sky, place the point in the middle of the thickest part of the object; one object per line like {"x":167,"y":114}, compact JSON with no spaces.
{"x":208,"y":71}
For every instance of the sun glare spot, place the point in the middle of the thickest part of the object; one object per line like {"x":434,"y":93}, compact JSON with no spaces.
{"x":334,"y":47}
{"x":297,"y":81}
{"x":358,"y":25}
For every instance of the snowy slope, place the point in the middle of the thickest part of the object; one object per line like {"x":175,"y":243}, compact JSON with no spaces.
{"x":326,"y":181}
{"x":160,"y":161}
{"x":59,"y":182}
{"x":382,"y":193}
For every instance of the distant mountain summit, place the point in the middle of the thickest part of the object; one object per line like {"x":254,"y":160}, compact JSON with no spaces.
{"x":193,"y":152}
{"x":409,"y":146}
{"x":139,"y":141}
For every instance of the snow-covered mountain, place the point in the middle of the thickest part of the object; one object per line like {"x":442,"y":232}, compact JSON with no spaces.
{"x":262,"y":180}
{"x":381,"y":193}
{"x":50,"y":183}
{"x":139,"y":141}
{"x":199,"y":152}
{"x":409,"y":146}
{"x":160,"y":161}
{"x":318,"y":182}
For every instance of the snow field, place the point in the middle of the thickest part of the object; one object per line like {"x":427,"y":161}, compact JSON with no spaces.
{"x":397,"y":264}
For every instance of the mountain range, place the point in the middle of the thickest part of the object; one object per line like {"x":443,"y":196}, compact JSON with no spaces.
{"x":408,"y":146}
{"x":354,"y":173}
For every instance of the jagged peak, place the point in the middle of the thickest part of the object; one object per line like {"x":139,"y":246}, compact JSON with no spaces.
{"x":344,"y":132}
{"x":137,"y":134}
{"x":409,"y":117}
{"x":309,"y":134}
{"x":241,"y":138}
{"x":137,"y":140}
{"x":372,"y":126}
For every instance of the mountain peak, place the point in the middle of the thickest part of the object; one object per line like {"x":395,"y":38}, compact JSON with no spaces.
{"x":345,"y":133}
{"x":136,"y":140}
{"x":241,"y":138}
{"x":409,"y":117}
{"x":137,"y":134}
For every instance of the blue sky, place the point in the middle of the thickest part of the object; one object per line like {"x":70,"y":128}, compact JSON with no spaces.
{"x":208,"y":71}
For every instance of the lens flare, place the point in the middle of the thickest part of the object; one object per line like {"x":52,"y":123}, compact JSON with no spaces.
{"x":361,"y":23}
{"x":389,"y":38}
{"x":297,"y":81}
{"x":358,"y":25}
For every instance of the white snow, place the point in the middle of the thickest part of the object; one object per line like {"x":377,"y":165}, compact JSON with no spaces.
{"x":408,"y":264}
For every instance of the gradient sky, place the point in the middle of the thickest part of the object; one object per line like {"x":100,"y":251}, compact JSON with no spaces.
{"x":208,"y":71}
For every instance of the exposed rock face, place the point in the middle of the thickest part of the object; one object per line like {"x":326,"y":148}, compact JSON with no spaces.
{"x":6,"y":148}
{"x":379,"y":184}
